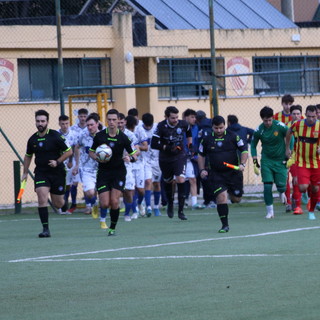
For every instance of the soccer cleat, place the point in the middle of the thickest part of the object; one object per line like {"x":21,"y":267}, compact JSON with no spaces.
{"x":142,"y":210}
{"x":127,"y":218}
{"x":181,"y":216}
{"x":311,"y":216}
{"x":111,"y":232}
{"x":270,"y":215}
{"x":149,"y":212}
{"x":135,"y":215}
{"x":95,"y":212}
{"x":103,"y":225}
{"x":45,"y":233}
{"x":170,"y":210}
{"x":198,"y":206}
{"x":309,"y":205}
{"x":72,"y":208}
{"x":122,"y":210}
{"x":288,"y":207}
{"x":156,"y":212}
{"x":87,"y":211}
{"x":297,"y":211}
{"x":224,"y":229}
{"x":61,"y":212}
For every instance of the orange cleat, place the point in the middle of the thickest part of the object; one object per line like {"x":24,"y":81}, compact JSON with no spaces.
{"x":298,"y":210}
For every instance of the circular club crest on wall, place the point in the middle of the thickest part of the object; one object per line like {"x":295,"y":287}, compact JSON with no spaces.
{"x":235,"y":66}
{"x":6,"y":76}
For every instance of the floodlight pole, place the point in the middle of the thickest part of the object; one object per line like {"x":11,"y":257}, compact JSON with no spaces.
{"x":60,"y":59}
{"x":214,"y":101}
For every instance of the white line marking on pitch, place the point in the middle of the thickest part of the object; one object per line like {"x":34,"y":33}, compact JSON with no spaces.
{"x":176,"y":257}
{"x":165,"y":244}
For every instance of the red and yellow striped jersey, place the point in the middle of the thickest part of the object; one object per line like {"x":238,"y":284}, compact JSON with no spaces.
{"x":281,"y":116}
{"x":308,"y":140}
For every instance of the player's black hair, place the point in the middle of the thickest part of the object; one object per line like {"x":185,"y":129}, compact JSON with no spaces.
{"x":83,"y":111}
{"x":170,"y":109}
{"x":113,"y":111}
{"x":311,"y":108}
{"x":287,"y":98}
{"x":121,"y":116}
{"x":266,"y":112}
{"x":42,"y":113}
{"x":217,"y":120}
{"x":133,"y":112}
{"x":63,"y":117}
{"x":295,"y":107}
{"x":147,"y":119}
{"x":93,"y":116}
{"x":232,"y":119}
{"x":131,"y":122}
{"x":189,"y":112}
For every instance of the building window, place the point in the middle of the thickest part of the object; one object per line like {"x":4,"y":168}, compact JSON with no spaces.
{"x":305,"y":81}
{"x":38,"y":77}
{"x":188,"y":70}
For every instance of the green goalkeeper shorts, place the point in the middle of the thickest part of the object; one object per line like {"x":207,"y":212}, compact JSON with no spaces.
{"x":274,"y":171}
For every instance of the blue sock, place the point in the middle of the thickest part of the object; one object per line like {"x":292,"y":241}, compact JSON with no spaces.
{"x":66,"y":196}
{"x":140,"y":198}
{"x":88,"y":201}
{"x":134,"y":203}
{"x":103,"y":212}
{"x":147,"y":196}
{"x":127,"y":208}
{"x":74,"y":191}
{"x":156,"y":195}
{"x":93,"y":201}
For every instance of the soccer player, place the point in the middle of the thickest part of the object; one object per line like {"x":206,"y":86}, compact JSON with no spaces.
{"x":168,"y":138}
{"x":307,"y":154}
{"x":152,"y":169}
{"x":86,"y":167}
{"x":112,"y":174}
{"x":296,"y":114}
{"x":71,"y":139}
{"x":284,"y":115}
{"x":272,"y":135}
{"x":222,"y":147}
{"x":50,"y":150}
{"x":78,"y":128}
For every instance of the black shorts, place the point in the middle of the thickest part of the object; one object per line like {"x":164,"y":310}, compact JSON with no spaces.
{"x":107,"y":180}
{"x":56,"y":181}
{"x":232,"y":181}
{"x":175,"y":167}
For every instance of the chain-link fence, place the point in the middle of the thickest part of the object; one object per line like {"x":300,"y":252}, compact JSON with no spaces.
{"x":110,"y":46}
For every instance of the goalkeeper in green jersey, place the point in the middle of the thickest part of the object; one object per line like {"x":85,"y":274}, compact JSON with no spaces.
{"x":272,"y":135}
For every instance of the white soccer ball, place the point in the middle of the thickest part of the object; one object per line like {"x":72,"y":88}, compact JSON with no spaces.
{"x":104,"y":153}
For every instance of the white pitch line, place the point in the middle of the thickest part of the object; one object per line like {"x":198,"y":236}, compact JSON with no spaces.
{"x":176,"y":257}
{"x":165,"y":244}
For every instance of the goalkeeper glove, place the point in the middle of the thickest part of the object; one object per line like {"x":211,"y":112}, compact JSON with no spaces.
{"x":256,"y":167}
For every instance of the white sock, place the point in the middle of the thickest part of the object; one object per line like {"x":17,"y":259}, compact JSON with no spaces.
{"x":270,"y":209}
{"x":194,"y":200}
{"x":156,"y":206}
{"x":102,"y":219}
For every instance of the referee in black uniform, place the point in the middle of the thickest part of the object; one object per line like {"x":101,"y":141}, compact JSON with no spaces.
{"x":111,"y":176}
{"x":169,"y":139}
{"x":50,"y":150}
{"x":221,"y":147}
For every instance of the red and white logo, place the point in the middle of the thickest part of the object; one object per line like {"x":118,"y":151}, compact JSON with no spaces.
{"x":235,"y":66}
{"x":6,"y":76}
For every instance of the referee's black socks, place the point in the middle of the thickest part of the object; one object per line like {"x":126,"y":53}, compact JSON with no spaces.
{"x":181,"y":196}
{"x":114,"y":216}
{"x":223,"y":211}
{"x":44,"y":216}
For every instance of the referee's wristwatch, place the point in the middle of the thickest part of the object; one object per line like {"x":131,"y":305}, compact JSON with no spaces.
{"x":243,"y":164}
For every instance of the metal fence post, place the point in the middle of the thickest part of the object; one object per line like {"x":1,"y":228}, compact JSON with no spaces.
{"x":17,"y":178}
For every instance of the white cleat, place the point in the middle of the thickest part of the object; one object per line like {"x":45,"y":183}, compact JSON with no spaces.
{"x":142,"y":210}
{"x":270,"y":215}
{"x":134,"y":216}
{"x":127,"y":218}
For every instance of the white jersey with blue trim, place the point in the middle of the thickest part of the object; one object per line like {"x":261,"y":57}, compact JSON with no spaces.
{"x":85,"y":142}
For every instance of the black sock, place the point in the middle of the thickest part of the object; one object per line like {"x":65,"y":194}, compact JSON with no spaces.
{"x":181,"y":196}
{"x":114,"y":216}
{"x":44,"y":216}
{"x":168,"y":190}
{"x":223,"y":211}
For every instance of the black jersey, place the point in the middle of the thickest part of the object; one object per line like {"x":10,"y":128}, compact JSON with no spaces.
{"x":165,"y":134}
{"x":220,"y":150}
{"x":118,"y":144}
{"x":48,"y":147}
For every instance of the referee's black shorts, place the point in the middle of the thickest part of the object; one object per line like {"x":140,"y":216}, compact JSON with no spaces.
{"x":55,"y":180}
{"x":232,"y":181}
{"x":111,"y":179}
